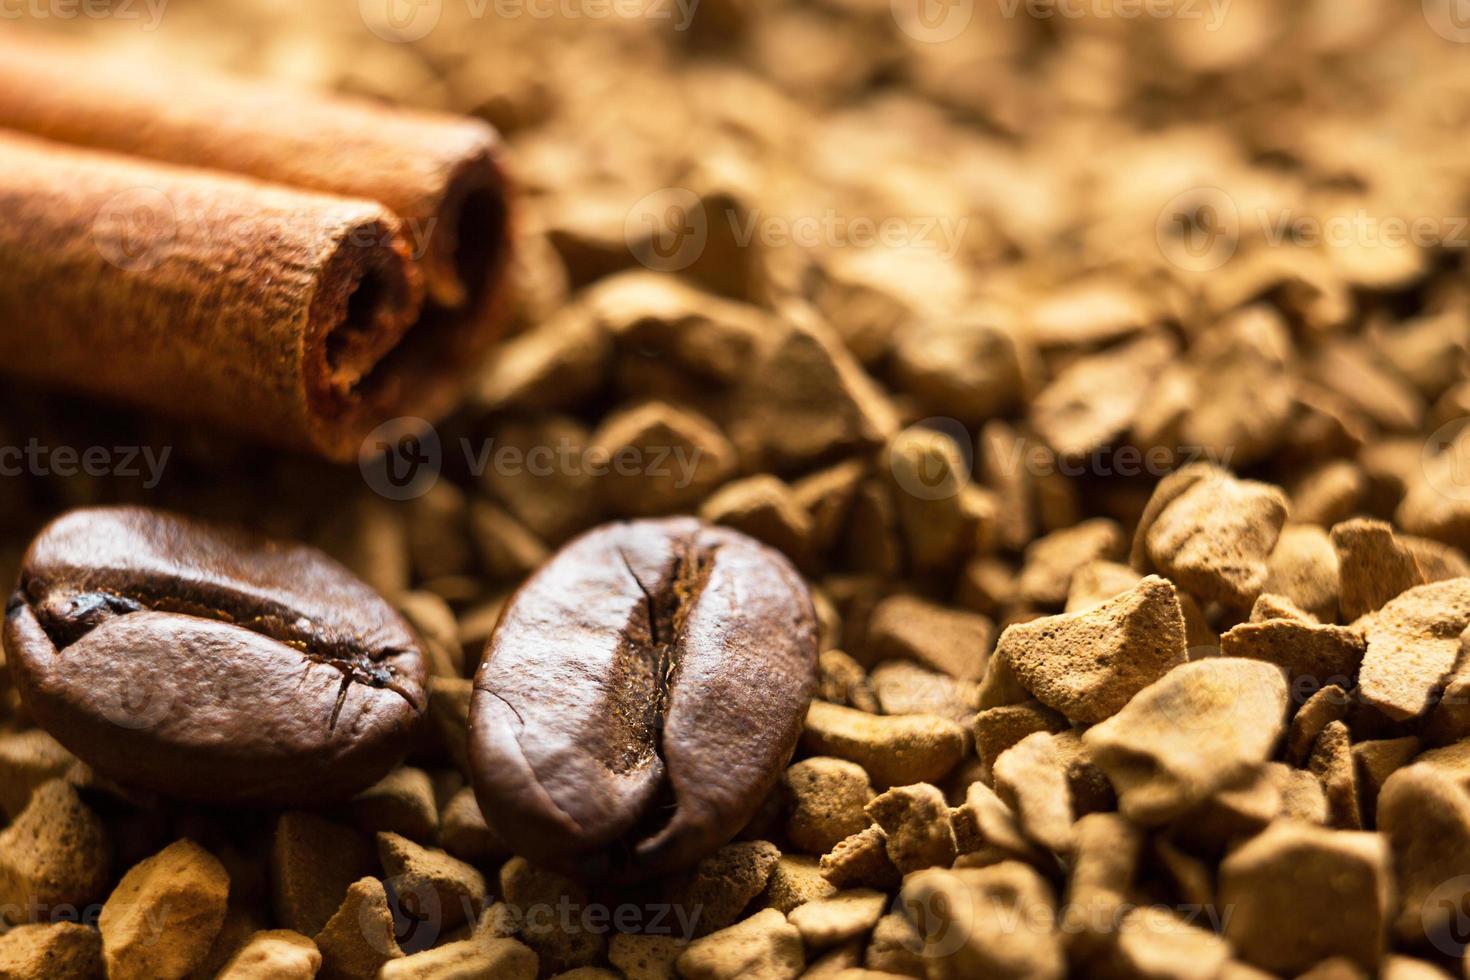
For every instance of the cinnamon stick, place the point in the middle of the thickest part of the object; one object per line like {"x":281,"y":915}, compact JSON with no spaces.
{"x":276,"y":311}
{"x":438,"y":172}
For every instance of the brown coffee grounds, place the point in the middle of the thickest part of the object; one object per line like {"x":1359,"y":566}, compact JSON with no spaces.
{"x":1413,"y":642}
{"x":644,"y":957}
{"x":902,"y":687}
{"x":794,"y":880}
{"x":1425,"y":816}
{"x":763,"y":945}
{"x":313,"y":862}
{"x":861,"y":860}
{"x":164,"y":914}
{"x":1031,"y":778}
{"x":725,"y":882}
{"x":917,"y":832}
{"x":27,"y":760}
{"x":498,"y":958}
{"x":1302,"y":894}
{"x":1214,"y":534}
{"x":464,"y":833}
{"x":1195,"y":731}
{"x":41,"y":952}
{"x":359,"y":937}
{"x":274,"y":953}
{"x":1088,"y":664}
{"x":766,"y":509}
{"x":828,"y":797}
{"x":1331,"y":762}
{"x":401,"y":802}
{"x":1312,"y":654}
{"x":560,"y":945}
{"x":906,"y":627}
{"x":846,"y":915}
{"x":977,"y":901}
{"x":893,"y":749}
{"x":55,"y":853}
{"x":433,"y":878}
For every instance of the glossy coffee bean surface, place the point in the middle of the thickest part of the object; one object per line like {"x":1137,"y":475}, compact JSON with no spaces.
{"x":209,"y":664}
{"x":640,"y":697}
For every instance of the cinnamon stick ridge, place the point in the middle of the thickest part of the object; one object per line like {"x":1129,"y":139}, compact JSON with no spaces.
{"x":206,"y":296}
{"x":440,"y":174}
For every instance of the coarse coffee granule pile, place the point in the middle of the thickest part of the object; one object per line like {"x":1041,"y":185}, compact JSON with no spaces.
{"x":1101,"y":366}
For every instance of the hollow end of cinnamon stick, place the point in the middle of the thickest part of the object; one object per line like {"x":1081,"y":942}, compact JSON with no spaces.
{"x":365,"y":365}
{"x":427,"y":370}
{"x":470,"y":238}
{"x":364,"y":307}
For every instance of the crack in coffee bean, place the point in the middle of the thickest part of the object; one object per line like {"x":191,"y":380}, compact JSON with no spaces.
{"x":664,"y":613}
{"x":640,"y":697}
{"x":118,"y":606}
{"x":68,"y":616}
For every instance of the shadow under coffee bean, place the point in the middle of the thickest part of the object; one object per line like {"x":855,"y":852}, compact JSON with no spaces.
{"x":640,"y":696}
{"x":208,"y":664}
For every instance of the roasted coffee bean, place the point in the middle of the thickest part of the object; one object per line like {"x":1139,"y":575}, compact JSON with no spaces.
{"x":640,"y":696}
{"x":209,"y":664}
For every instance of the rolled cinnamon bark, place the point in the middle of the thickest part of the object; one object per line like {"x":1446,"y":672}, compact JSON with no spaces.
{"x":284,"y":313}
{"x":438,"y":172}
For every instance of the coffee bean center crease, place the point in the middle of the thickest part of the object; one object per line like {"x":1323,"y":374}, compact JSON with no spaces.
{"x":68,"y":615}
{"x":653,"y":651}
